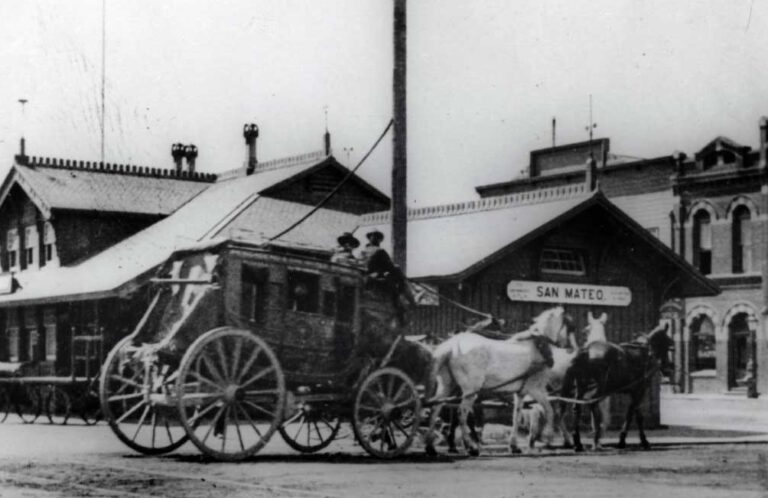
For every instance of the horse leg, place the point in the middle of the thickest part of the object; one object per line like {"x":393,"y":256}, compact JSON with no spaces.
{"x":597,"y":426}
{"x":464,"y":408}
{"x":639,"y":416}
{"x":627,"y":422}
{"x":478,"y":421}
{"x":452,"y":426}
{"x":540,"y":396}
{"x":560,"y":411}
{"x":443,"y":387}
{"x":577,"y":446}
{"x":517,"y":401}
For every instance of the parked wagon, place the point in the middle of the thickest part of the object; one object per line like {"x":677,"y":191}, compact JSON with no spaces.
{"x":27,"y":393}
{"x":242,"y":341}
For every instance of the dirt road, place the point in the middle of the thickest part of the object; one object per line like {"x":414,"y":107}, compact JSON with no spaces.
{"x":42,"y":461}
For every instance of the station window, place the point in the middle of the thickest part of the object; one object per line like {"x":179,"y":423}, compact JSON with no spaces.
{"x":32,"y":333}
{"x":49,"y":242}
{"x":49,"y":323}
{"x":303,"y":291}
{"x":254,"y":293}
{"x":703,"y":352}
{"x":702,"y":242}
{"x":31,"y":244}
{"x":562,"y":261}
{"x":12,"y":248}
{"x":12,"y":331}
{"x":742,"y":240}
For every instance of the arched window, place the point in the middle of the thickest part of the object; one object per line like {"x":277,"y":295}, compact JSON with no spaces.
{"x":741,"y":237}
{"x":702,"y":344}
{"x":702,"y":242}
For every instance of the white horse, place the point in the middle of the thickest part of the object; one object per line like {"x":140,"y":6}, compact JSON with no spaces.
{"x":520,"y":365}
{"x":596,"y":328}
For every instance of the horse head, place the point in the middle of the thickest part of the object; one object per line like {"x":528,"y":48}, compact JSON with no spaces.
{"x":551,"y":323}
{"x":595,"y":328}
{"x":660,"y":343}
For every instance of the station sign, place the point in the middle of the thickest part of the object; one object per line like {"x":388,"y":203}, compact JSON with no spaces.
{"x":562,"y":293}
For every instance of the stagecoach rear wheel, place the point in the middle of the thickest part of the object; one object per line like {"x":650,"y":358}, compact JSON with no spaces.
{"x":29,"y":403}
{"x":312,"y":428}
{"x":386,"y":413}
{"x":231,"y":393}
{"x":57,"y":405}
{"x":131,"y":391}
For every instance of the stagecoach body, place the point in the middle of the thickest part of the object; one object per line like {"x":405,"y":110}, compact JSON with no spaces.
{"x":241,"y":341}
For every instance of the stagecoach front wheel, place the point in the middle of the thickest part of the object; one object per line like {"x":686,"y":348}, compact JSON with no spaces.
{"x":312,"y":428}
{"x":231,"y":393}
{"x":134,"y":396}
{"x":386,"y":413}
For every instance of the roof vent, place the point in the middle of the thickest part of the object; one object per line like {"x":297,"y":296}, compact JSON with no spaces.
{"x":177,"y":152}
{"x":250,"y":133}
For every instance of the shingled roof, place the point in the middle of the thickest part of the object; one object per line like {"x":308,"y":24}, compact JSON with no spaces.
{"x":105,"y":188}
{"x":226,"y":209}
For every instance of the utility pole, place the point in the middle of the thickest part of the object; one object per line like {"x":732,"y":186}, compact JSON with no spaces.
{"x":399,"y":149}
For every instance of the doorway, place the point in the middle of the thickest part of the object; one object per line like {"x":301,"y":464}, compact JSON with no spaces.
{"x":738,"y":351}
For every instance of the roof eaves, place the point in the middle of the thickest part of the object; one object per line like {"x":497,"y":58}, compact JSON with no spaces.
{"x":20,"y":180}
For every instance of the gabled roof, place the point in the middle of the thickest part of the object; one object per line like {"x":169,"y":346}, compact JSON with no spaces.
{"x":455,"y":241}
{"x":108,"y":190}
{"x":225,"y":209}
{"x":332,"y":163}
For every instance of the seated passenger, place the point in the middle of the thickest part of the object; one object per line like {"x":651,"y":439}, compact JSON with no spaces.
{"x":343,"y":253}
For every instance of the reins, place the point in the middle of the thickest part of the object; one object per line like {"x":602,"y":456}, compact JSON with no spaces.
{"x":576,"y":401}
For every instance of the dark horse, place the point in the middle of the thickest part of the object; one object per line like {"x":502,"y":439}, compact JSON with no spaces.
{"x":604,"y":368}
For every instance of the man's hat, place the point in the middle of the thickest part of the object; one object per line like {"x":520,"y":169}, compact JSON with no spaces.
{"x":347,"y":238}
{"x":375,"y":235}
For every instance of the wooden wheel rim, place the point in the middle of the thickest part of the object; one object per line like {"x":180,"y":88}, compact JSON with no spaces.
{"x":386,"y":413}
{"x":57,"y":404}
{"x":231,"y":393}
{"x":165,"y":435}
{"x":302,"y":430}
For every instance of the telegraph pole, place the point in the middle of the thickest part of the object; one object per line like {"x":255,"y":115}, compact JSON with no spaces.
{"x":399,"y":150}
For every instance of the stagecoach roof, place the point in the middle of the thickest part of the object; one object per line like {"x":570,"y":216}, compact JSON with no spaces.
{"x":453,"y":242}
{"x":229,"y":209}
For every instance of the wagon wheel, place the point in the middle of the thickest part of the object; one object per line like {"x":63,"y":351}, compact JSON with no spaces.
{"x":57,"y":404}
{"x":132,"y":391}
{"x":29,"y":403}
{"x":386,"y":413}
{"x":311,"y":428}
{"x":88,"y":405}
{"x":231,"y":393}
{"x":5,"y":405}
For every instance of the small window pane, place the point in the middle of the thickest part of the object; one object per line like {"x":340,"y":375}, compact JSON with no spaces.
{"x":303,"y":291}
{"x":565,"y":261}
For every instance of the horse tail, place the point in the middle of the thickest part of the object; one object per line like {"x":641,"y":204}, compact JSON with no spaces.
{"x":441,"y":370}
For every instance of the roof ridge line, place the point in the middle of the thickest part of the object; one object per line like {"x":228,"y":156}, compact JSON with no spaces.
{"x":273,"y":164}
{"x":120,"y":169}
{"x":485,"y":204}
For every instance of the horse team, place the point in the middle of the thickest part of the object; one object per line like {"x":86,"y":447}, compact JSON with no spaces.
{"x":542,"y":364}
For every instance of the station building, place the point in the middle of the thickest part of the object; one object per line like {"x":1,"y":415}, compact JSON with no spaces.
{"x":79,"y":240}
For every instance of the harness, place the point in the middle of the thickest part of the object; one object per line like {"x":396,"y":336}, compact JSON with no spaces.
{"x":648,"y":373}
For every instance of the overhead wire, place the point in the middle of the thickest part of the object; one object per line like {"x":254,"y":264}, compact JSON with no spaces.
{"x":337,"y":187}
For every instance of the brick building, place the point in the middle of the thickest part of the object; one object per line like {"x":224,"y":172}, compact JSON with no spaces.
{"x":709,"y":208}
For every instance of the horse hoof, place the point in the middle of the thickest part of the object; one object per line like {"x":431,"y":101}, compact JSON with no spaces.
{"x":474,"y":452}
{"x":578,"y":449}
{"x":515,"y":450}
{"x":646,"y":446}
{"x":567,"y":446}
{"x":453,"y":450}
{"x":430,"y":451}
{"x":622,"y":445}
{"x":597,"y":447}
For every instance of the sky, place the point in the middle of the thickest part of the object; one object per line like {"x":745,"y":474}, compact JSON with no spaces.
{"x":485,"y":79}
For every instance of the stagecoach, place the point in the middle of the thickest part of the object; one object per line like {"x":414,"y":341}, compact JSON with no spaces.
{"x":242,"y":340}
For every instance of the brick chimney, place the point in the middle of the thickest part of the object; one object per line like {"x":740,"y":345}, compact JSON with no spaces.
{"x":177,"y":152}
{"x":21,"y":157}
{"x":590,"y":178}
{"x":763,"y":142}
{"x":190,"y":152}
{"x":250,"y":133}
{"x":680,"y":158}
